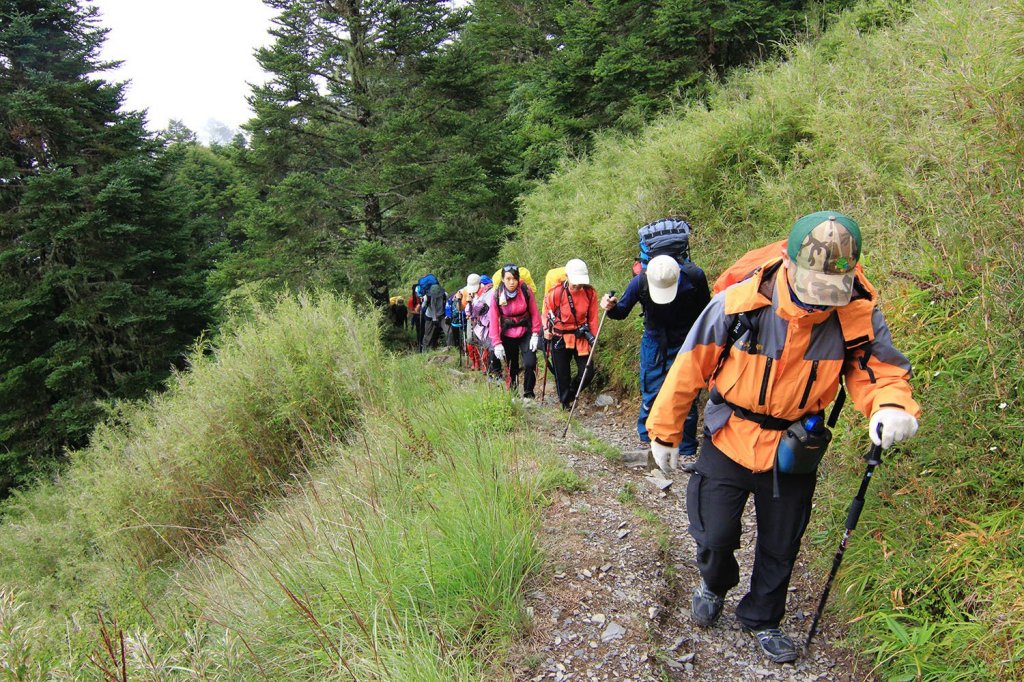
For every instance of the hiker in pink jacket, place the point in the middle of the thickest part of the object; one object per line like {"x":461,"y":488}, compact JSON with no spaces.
{"x":515,"y":327}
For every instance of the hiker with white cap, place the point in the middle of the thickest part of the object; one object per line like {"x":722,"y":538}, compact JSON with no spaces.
{"x":464,"y":296}
{"x":479,"y":321}
{"x":671,"y":295}
{"x":774,"y":347}
{"x":570,"y":323}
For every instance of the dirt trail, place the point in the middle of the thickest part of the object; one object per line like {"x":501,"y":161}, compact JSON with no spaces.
{"x":613,"y":600}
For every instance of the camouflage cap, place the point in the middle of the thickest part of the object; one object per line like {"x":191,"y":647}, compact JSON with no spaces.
{"x":824,"y":248}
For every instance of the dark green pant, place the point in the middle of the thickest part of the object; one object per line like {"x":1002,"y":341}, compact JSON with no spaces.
{"x":715,"y":498}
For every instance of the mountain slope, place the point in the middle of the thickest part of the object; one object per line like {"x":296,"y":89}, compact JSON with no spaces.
{"x":915,"y":128}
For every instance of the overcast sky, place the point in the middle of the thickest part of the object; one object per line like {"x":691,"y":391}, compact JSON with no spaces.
{"x":186,"y":59}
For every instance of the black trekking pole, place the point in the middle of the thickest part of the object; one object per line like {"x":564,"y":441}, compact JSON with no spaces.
{"x":459,"y":330}
{"x":547,"y":362}
{"x":874,"y":458}
{"x":590,"y":358}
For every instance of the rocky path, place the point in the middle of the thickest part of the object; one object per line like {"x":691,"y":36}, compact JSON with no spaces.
{"x":612,"y":602}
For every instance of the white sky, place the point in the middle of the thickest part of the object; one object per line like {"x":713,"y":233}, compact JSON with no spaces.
{"x":187,"y":59}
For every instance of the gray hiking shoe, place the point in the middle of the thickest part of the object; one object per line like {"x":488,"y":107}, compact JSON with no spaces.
{"x":776,"y":645}
{"x":706,"y":606}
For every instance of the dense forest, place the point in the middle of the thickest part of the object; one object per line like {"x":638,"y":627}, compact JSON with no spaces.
{"x":389,"y":138}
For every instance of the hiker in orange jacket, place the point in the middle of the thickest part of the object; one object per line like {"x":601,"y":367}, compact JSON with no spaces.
{"x":570,"y":323}
{"x":414,"y":304}
{"x":774,"y":347}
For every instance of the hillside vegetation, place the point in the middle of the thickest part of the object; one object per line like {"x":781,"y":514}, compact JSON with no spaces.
{"x":298,"y":505}
{"x":917,"y":130}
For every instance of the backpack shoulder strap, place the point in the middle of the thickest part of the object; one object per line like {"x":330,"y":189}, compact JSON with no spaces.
{"x":643,"y":292}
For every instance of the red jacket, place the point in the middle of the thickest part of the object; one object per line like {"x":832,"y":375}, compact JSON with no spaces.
{"x":565,"y":319}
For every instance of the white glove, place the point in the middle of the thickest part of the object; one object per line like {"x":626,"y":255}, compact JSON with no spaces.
{"x":666,"y":456}
{"x":499,"y":352}
{"x":897,"y":425}
{"x":533,"y":343}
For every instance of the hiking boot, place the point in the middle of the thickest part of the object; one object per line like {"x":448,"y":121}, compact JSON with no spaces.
{"x":706,"y":606}
{"x":776,"y":645}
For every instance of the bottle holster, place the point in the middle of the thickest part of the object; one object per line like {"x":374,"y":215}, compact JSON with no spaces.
{"x":800,"y":451}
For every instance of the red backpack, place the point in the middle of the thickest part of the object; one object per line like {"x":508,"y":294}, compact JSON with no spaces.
{"x":747,"y":264}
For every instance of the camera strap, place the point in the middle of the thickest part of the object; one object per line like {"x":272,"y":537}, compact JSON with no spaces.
{"x":572,"y":305}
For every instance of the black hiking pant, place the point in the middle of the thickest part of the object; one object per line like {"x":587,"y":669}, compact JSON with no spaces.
{"x":417,"y":324}
{"x":432,"y":330}
{"x":561,"y":361}
{"x":493,"y":363}
{"x":715,"y":498}
{"x":513,"y":349}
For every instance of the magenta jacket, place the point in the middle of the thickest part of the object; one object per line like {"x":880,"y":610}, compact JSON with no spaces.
{"x":515,"y":319}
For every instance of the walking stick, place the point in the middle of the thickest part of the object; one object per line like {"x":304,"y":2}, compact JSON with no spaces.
{"x":544,"y":382}
{"x":547,"y":354}
{"x":590,"y":358}
{"x":874,"y":458}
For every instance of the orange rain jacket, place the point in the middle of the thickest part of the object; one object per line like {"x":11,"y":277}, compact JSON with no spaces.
{"x":793,"y":369}
{"x":559,"y":314}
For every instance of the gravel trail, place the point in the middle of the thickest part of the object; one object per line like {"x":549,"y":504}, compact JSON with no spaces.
{"x":612,"y":601}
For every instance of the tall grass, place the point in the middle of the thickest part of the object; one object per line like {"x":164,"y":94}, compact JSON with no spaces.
{"x":159,"y":478}
{"x":376,"y":522}
{"x":915,"y":128}
{"x":404,"y":556}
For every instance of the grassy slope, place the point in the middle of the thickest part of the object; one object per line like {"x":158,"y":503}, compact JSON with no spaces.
{"x":299,"y":506}
{"x":917,"y":130}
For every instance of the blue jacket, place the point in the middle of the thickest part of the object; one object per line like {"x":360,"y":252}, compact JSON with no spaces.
{"x":670,"y":322}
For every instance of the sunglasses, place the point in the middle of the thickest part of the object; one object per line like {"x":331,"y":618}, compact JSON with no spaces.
{"x":510,"y":268}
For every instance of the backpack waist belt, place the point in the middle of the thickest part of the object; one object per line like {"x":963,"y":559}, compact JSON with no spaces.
{"x":765,"y":421}
{"x":565,"y":332}
{"x":518,"y":321}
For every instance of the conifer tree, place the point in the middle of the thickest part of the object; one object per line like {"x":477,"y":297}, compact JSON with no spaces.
{"x":98,"y":291}
{"x":615,"y":63}
{"x":360,"y":143}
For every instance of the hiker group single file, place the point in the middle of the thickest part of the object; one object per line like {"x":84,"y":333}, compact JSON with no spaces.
{"x":784,"y":332}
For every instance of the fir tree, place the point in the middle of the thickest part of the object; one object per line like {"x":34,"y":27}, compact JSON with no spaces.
{"x":98,"y":287}
{"x":360,"y":145}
